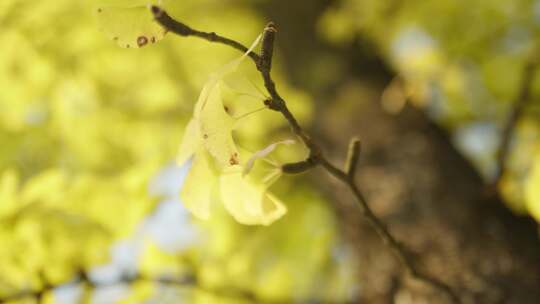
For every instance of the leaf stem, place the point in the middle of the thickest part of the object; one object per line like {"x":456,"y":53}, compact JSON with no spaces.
{"x":249,"y":113}
{"x":186,"y":281}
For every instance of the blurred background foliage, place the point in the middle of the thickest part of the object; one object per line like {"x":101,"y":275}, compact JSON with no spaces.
{"x":89,"y":132}
{"x":463,"y":63}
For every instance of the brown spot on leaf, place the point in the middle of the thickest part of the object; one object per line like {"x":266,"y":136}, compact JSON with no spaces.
{"x":234,"y":159}
{"x":99,"y":10}
{"x":205,"y":136}
{"x":115,"y":38}
{"x":128,"y":46}
{"x":156,"y":10}
{"x":226,"y":109}
{"x":153,"y":39}
{"x":142,"y":41}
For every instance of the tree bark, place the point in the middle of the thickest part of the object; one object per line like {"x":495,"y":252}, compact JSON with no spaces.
{"x":430,"y":196}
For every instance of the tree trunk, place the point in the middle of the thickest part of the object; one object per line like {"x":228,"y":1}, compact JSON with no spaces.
{"x":429,"y":195}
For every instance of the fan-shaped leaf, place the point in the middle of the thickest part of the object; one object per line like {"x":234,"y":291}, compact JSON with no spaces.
{"x":190,"y":142}
{"x":215,"y":123}
{"x":129,"y":23}
{"x":196,"y":194}
{"x":249,"y":202}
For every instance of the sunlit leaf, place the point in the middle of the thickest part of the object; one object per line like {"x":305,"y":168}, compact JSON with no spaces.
{"x":215,"y":123}
{"x":216,"y":129}
{"x":129,"y":23}
{"x":197,"y":191}
{"x":190,"y":142}
{"x":248,"y":201}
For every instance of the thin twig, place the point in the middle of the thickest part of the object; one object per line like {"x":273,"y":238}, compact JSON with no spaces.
{"x":84,"y":279}
{"x":182,"y":29}
{"x":187,"y":281}
{"x":353,"y":155}
{"x":518,"y":108}
{"x":277,"y":103}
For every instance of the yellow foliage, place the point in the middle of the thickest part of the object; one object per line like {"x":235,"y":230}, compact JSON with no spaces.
{"x":86,"y":125}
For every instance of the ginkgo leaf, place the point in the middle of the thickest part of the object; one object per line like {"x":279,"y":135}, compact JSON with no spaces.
{"x":238,"y":102}
{"x":249,"y":202}
{"x":217,"y":77}
{"x":216,"y":129}
{"x":129,"y":23}
{"x":196,"y":194}
{"x":212,"y":126}
{"x":190,"y":142}
{"x":263,"y":153}
{"x":215,"y":124}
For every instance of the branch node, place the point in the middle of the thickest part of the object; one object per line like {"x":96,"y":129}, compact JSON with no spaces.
{"x":353,"y":155}
{"x":267,"y":47}
{"x":274,"y":104}
{"x":156,"y":11}
{"x":169,"y":23}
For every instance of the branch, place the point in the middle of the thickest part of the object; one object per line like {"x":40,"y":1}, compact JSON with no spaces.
{"x":299,"y":167}
{"x":182,"y":29}
{"x":278,"y":104}
{"x":84,"y":279}
{"x":518,"y":108}
{"x":184,"y":281}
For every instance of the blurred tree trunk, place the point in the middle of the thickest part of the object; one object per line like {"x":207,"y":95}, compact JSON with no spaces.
{"x":431,"y":197}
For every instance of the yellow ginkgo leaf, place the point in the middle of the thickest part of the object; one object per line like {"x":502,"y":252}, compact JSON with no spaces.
{"x":216,"y":129}
{"x":190,"y":142}
{"x":129,"y":23}
{"x":197,"y":191}
{"x":249,"y":202}
{"x":215,"y":124}
{"x":240,"y":101}
{"x":208,"y":137}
